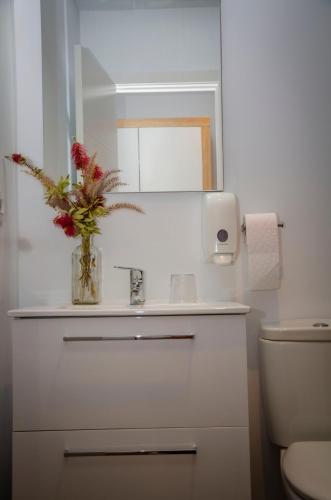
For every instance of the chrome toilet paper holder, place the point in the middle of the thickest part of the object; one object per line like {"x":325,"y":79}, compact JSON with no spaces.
{"x":243,"y":226}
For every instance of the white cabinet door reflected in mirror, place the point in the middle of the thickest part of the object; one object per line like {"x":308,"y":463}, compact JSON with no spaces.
{"x":165,"y":154}
{"x":170,"y":159}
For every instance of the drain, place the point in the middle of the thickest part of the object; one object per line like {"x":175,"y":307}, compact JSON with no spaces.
{"x":320,"y":325}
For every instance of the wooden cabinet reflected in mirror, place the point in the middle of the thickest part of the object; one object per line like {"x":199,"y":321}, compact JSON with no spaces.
{"x":165,"y":154}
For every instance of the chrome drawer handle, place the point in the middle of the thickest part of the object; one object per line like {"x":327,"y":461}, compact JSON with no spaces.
{"x":135,"y":452}
{"x":189,"y":336}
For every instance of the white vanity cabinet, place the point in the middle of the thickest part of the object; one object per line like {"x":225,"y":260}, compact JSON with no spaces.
{"x":144,"y":407}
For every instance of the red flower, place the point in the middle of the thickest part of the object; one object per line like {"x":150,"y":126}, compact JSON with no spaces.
{"x":70,"y":231}
{"x":63,"y":220}
{"x":67,"y":224}
{"x":79,"y":155}
{"x":98,"y":173}
{"x":17,"y":158}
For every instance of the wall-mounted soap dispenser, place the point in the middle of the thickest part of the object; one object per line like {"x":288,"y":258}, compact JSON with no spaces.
{"x":220,"y":228}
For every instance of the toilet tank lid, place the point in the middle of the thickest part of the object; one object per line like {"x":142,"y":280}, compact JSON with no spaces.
{"x":305,"y":330}
{"x":306,"y":466}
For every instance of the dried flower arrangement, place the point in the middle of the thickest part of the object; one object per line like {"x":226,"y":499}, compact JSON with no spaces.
{"x":79,"y":206}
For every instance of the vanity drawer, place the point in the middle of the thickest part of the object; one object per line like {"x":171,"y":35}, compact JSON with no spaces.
{"x":194,"y":464}
{"x":90,"y":373}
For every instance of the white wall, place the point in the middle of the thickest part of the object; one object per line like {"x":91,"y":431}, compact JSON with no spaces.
{"x":7,"y":233}
{"x":145,"y":42}
{"x":277,"y":125}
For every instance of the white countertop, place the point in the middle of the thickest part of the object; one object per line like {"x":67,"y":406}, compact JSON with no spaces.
{"x":148,"y":309}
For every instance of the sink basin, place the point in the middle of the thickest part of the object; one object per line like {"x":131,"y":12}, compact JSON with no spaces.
{"x":148,"y":309}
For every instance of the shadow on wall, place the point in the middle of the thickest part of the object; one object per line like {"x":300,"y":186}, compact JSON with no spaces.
{"x":264,"y":455}
{"x":5,"y":440}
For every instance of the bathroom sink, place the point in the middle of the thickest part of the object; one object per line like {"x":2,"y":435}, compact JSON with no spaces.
{"x":147,"y":309}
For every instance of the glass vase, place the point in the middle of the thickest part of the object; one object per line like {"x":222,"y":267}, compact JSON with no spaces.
{"x":86,"y":273}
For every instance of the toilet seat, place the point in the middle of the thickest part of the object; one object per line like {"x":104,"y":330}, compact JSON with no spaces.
{"x":290,"y":493}
{"x":307,"y":468}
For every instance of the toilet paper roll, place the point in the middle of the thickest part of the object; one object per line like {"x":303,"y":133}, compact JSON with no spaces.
{"x":262,"y":236}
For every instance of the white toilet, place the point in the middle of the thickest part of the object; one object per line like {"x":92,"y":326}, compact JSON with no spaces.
{"x":296,"y":379}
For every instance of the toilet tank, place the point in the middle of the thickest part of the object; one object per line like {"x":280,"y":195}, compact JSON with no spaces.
{"x":296,"y":380}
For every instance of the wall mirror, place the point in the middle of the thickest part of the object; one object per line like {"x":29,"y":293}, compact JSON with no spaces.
{"x":142,"y":89}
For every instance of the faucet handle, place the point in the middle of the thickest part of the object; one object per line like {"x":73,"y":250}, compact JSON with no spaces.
{"x":136,"y":275}
{"x":130,"y":268}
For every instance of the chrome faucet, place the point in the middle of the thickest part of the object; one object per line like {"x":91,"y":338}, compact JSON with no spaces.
{"x":137,"y":285}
